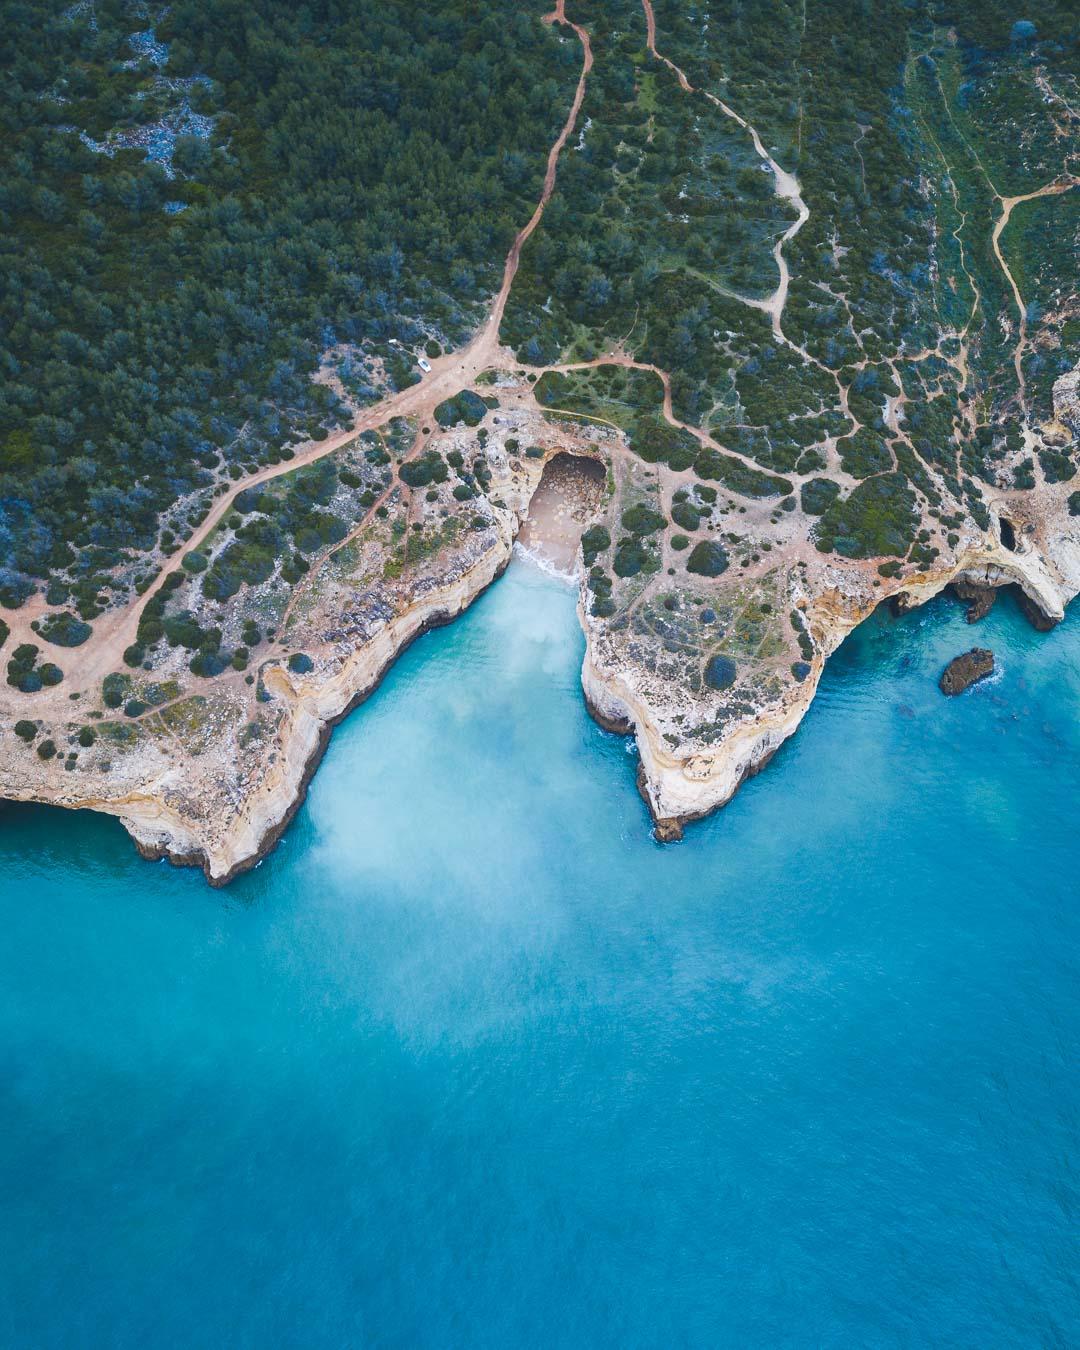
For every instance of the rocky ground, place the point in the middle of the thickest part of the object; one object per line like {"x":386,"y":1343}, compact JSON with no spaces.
{"x":710,"y":669}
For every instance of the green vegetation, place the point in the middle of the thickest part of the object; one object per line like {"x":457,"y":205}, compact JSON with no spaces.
{"x":429,"y":468}
{"x":466,"y":407}
{"x":642,"y":520}
{"x":64,"y":630}
{"x":594,"y":541}
{"x":818,"y":495}
{"x":25,"y":674}
{"x":707,"y":559}
{"x":291,"y":179}
{"x":631,"y":556}
{"x":720,"y":672}
{"x":876,"y":519}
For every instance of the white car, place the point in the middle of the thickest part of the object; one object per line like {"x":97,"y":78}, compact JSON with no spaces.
{"x":423,"y":363}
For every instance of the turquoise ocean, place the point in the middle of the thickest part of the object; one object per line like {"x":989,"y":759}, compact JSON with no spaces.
{"x":471,"y":1061}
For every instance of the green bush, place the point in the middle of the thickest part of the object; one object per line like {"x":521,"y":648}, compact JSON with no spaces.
{"x":720,"y":672}
{"x":707,"y":559}
{"x":818,"y":495}
{"x":466,"y":407}
{"x":429,"y":468}
{"x":738,"y":476}
{"x":64,"y":630}
{"x":301,"y":664}
{"x":114,"y":689}
{"x":594,"y":541}
{"x":25,"y":730}
{"x":46,"y":749}
{"x":679,"y":542}
{"x":1056,"y":466}
{"x":686,"y":515}
{"x":642,"y":520}
{"x":630,"y":557}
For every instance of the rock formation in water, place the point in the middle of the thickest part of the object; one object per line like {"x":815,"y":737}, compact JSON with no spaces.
{"x":967,"y":669}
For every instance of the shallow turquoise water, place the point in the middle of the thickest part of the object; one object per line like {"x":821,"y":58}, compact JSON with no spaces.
{"x":471,"y":1061}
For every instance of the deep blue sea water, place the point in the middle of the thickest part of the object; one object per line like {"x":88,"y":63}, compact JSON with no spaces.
{"x":471,"y":1061}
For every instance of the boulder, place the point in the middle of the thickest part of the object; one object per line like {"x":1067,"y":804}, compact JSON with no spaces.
{"x":964,"y":671}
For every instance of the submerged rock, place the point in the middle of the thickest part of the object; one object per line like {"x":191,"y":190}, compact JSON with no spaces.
{"x":964,"y":671}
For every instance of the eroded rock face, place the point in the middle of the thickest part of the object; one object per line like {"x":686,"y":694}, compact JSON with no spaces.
{"x":965,"y":670}
{"x":979,"y":599}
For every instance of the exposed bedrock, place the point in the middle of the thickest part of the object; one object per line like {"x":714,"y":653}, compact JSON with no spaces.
{"x":967,"y":669}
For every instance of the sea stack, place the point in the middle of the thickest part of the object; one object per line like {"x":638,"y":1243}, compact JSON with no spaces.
{"x":964,"y":671}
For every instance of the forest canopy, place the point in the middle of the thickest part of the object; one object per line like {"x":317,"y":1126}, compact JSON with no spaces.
{"x":197,"y":202}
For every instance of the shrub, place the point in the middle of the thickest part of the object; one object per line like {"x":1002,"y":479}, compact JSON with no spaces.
{"x":594,"y":541}
{"x":114,"y":688}
{"x":466,"y":407}
{"x":800,"y":669}
{"x":679,"y":542}
{"x":864,"y":453}
{"x":5,"y":632}
{"x":739,"y":477}
{"x":655,"y":441}
{"x":429,"y":468}
{"x":134,"y":707}
{"x":301,"y":664}
{"x":720,"y":672}
{"x":49,"y":673}
{"x":1056,"y":466}
{"x":686,"y":515}
{"x":630,"y":557}
{"x":207,"y":663}
{"x":25,"y":730}
{"x":47,"y":749}
{"x":64,"y":630}
{"x":818,"y":495}
{"x":707,"y":559}
{"x":20,"y":668}
{"x":87,"y":737}
{"x":194,"y":562}
{"x":642,"y":520}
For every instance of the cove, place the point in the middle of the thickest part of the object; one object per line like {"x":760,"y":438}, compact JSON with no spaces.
{"x":471,"y":1060}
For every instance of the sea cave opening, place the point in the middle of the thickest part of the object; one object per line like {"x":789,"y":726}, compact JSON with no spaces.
{"x":566,"y":500}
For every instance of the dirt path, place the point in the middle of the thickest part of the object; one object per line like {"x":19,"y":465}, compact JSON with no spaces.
{"x":786,"y":184}
{"x":116,"y":630}
{"x":1059,"y":185}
